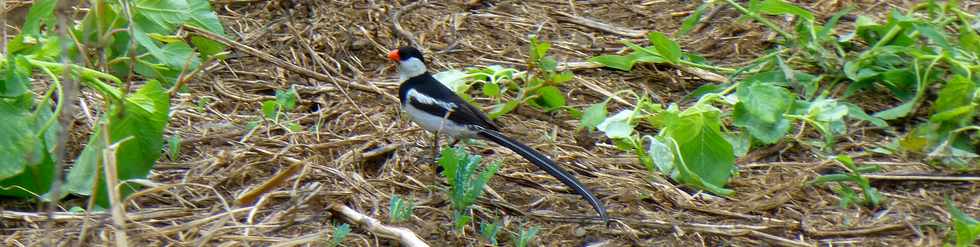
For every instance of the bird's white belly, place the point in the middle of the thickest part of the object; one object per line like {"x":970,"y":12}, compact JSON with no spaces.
{"x":440,"y":124}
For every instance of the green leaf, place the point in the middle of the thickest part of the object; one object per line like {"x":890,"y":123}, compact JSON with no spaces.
{"x":504,"y":108}
{"x":764,"y":101}
{"x":779,"y":7}
{"x":174,"y":147}
{"x":491,"y":90}
{"x":969,"y":39}
{"x":693,"y":18}
{"x":202,"y":16}
{"x":287,"y":99}
{"x":965,"y":228}
{"x":538,"y":49}
{"x":453,"y":79}
{"x":594,"y":115}
{"x":41,"y":10}
{"x":896,"y":112}
{"x":14,"y":83}
{"x":856,"y":112}
{"x":339,"y":234}
{"x":958,"y":92}
{"x":766,"y":132}
{"x":548,"y":64}
{"x":662,"y":156}
{"x":666,"y":48}
{"x":161,"y":16}
{"x":143,"y":117}
{"x":269,"y":109}
{"x":624,"y":63}
{"x":706,"y":158}
{"x":550,"y":98}
{"x":618,"y":126}
{"x":37,"y":167}
{"x":562,"y":77}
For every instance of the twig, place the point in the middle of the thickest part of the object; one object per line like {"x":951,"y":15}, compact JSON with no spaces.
{"x":405,"y":236}
{"x":281,"y":63}
{"x":700,"y":73}
{"x":274,"y":182}
{"x":711,"y":15}
{"x":397,"y":26}
{"x":921,"y":177}
{"x":851,"y":232}
{"x":112,"y":183}
{"x":633,"y":33}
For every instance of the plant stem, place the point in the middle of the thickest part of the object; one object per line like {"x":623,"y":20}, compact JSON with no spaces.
{"x":760,"y":19}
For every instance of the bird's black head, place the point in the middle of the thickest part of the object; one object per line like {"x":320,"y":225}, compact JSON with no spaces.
{"x":405,"y":53}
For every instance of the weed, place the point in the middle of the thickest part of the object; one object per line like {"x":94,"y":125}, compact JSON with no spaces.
{"x":871,"y":196}
{"x":466,"y":183}
{"x":400,"y":209}
{"x":524,"y":236}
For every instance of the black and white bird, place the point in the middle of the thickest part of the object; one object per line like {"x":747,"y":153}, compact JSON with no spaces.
{"x":438,"y":109}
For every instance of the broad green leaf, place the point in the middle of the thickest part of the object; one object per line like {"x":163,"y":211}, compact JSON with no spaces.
{"x":779,"y":7}
{"x":161,"y":16}
{"x":896,"y":112}
{"x":766,"y":132}
{"x":38,"y":166}
{"x":594,"y":115}
{"x":962,"y":113}
{"x":538,"y":49}
{"x":853,"y":111}
{"x":550,"y":97}
{"x":19,"y":146}
{"x":666,"y":47}
{"x":662,"y":155}
{"x":957,"y":92}
{"x":202,"y":16}
{"x":143,"y":117}
{"x":14,"y":83}
{"x":969,"y":39}
{"x":703,"y":150}
{"x":41,"y":10}
{"x":764,"y":101}
{"x":617,"y":126}
{"x":965,"y":228}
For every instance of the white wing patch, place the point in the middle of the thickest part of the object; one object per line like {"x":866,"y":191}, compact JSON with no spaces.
{"x":425,"y":99}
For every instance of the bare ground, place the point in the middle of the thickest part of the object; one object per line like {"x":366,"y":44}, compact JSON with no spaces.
{"x":356,"y":149}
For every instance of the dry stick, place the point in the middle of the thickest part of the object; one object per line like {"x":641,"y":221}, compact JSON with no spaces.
{"x":111,"y":177}
{"x":405,"y":236}
{"x":711,"y":15}
{"x":397,"y":26}
{"x":703,"y":74}
{"x":288,"y":66}
{"x":600,"y":26}
{"x":921,"y":177}
{"x":69,"y":88}
{"x":277,"y":180}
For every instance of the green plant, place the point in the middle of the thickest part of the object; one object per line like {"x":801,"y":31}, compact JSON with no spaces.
{"x":340,"y":233}
{"x":274,"y":110}
{"x":400,"y":209}
{"x":847,"y":195}
{"x":466,"y":183}
{"x":792,"y":89}
{"x":965,"y":228}
{"x":525,"y":235}
{"x":489,"y":231}
{"x":132,"y":40}
{"x":510,"y":88}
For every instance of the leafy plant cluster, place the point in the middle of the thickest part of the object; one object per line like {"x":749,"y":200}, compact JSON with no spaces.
{"x":791,"y":90}
{"x":117,"y":47}
{"x":465,"y":182}
{"x":509,"y":87}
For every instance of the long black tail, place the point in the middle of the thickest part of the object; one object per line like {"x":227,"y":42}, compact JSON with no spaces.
{"x":547,"y":165}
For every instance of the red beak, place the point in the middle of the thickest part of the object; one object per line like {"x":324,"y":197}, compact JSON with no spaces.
{"x":393,"y":56}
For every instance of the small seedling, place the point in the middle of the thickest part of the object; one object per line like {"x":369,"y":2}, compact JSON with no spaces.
{"x":965,"y":228}
{"x":174,"y":147}
{"x":339,"y":234}
{"x":848,"y":196}
{"x":466,"y":183}
{"x":524,"y":236}
{"x":489,"y":231}
{"x":400,"y":209}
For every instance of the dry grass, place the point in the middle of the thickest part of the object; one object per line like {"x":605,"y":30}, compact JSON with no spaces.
{"x":358,"y":150}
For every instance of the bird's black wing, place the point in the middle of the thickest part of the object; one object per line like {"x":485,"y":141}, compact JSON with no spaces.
{"x":463,"y":113}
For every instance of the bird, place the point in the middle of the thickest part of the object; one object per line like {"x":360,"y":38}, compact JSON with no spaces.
{"x":437,"y":109}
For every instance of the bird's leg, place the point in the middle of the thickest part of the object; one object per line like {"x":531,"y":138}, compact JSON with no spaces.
{"x":435,"y":146}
